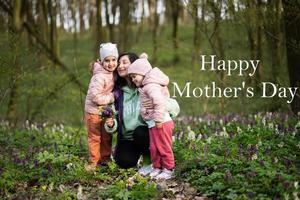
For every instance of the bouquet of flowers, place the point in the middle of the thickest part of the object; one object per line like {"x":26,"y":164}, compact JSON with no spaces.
{"x":108,"y":111}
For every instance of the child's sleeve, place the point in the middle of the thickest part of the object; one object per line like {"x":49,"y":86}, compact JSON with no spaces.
{"x":97,"y":92}
{"x":111,"y":129}
{"x":154,"y":91}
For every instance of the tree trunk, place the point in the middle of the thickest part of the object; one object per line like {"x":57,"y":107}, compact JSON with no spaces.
{"x":274,"y":36}
{"x":259,"y":73}
{"x":254,"y":28}
{"x":141,"y":25}
{"x":108,"y":24}
{"x":154,"y":23}
{"x":231,"y":9}
{"x":17,"y":20}
{"x":15,"y":52}
{"x":43,"y":28}
{"x":29,"y":17}
{"x":292,"y":36}
{"x":197,"y":50}
{"x":99,"y":29}
{"x":175,"y":6}
{"x":218,"y":45}
{"x":61,"y":16}
{"x":81,"y":13}
{"x":91,"y":10}
{"x":54,"y":44}
{"x":124,"y":25}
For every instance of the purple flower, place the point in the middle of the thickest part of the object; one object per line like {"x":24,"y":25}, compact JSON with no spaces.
{"x":36,"y":163}
{"x":107,"y":112}
{"x":228,"y":176}
{"x":250,"y":195}
{"x":286,"y":185}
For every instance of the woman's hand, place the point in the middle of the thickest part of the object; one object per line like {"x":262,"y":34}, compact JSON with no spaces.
{"x":110,"y":122}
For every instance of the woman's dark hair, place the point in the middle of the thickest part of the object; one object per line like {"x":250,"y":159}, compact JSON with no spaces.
{"x":132,"y":57}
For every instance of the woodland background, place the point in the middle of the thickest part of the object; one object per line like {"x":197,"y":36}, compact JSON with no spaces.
{"x":46,"y":47}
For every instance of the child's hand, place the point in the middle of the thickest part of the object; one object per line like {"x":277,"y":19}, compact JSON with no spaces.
{"x":158,"y":125}
{"x":148,"y":104}
{"x":110,"y":122}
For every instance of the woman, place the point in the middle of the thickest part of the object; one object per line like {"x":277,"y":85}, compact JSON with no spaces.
{"x":133,"y":135}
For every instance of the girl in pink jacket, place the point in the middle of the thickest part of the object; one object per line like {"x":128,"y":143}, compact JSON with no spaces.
{"x":100,"y":94}
{"x":152,"y":84}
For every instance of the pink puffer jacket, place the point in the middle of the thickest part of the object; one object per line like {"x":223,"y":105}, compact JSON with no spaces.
{"x":100,"y":89}
{"x":154,"y":89}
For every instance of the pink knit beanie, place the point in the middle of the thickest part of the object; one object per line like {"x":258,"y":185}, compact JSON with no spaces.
{"x":140,"y":66}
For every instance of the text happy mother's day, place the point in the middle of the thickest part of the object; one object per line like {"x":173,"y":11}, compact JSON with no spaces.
{"x":231,"y":68}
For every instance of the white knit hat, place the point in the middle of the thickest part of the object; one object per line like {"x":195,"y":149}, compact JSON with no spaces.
{"x":108,"y":49}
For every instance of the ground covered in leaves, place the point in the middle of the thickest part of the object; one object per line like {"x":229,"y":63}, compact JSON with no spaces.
{"x":217,"y":157}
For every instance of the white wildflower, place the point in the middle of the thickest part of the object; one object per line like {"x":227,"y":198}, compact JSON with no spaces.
{"x":69,"y":165}
{"x":208,"y":122}
{"x":297,"y":125}
{"x":180,"y":136}
{"x":27,"y":125}
{"x":286,"y":196}
{"x":173,"y":138}
{"x":298,"y":145}
{"x":276,"y":160}
{"x":254,"y":157}
{"x":208,"y":140}
{"x":271,"y":125}
{"x":239,"y":130}
{"x":224,"y":132}
{"x":191,"y":134}
{"x":199,"y":137}
{"x":221,"y":122}
{"x":263,"y":121}
{"x":277,"y":130}
{"x":50,"y":187}
{"x":79,"y":193}
{"x":259,"y":143}
{"x":280,"y":145}
{"x":249,"y":127}
{"x":295,"y":194}
{"x":61,"y":188}
{"x":296,"y":185}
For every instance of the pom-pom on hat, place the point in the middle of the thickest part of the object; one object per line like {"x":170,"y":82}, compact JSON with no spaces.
{"x":108,"y":49}
{"x":140,"y":66}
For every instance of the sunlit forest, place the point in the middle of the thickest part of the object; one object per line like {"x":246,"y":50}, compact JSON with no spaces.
{"x":225,"y":148}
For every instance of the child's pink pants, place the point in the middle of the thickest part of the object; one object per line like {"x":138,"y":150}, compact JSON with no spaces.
{"x":161,"y":146}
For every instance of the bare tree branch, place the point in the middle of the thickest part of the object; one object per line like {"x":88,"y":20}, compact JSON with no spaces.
{"x":46,"y":49}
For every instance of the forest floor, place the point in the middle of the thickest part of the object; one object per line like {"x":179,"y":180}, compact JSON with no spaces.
{"x":227,"y":157}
